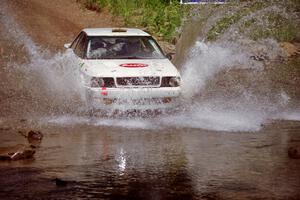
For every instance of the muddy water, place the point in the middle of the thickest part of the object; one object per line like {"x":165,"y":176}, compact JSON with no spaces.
{"x":229,"y":141}
{"x":128,"y":163}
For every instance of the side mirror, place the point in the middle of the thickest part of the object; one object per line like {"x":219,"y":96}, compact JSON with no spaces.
{"x":170,"y":56}
{"x":67,"y":46}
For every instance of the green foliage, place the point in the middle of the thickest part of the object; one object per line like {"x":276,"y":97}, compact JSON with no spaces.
{"x":158,"y":17}
{"x":162,"y":18}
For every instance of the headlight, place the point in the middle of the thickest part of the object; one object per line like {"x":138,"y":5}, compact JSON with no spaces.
{"x":97,"y":82}
{"x":170,"y":82}
{"x":174,"y":81}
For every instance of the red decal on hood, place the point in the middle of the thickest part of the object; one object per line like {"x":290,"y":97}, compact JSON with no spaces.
{"x":133,"y":65}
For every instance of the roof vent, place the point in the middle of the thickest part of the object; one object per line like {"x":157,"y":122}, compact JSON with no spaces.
{"x":116,"y":30}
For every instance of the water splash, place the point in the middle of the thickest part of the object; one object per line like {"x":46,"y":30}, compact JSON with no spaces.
{"x":51,"y":80}
{"x":292,"y":115}
{"x":206,"y":60}
{"x":241,"y":105}
{"x":220,"y":89}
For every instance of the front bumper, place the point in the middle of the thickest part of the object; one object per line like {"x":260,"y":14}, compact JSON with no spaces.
{"x":133,"y":98}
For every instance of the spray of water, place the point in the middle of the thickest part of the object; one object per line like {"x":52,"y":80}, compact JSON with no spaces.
{"x":54,"y":79}
{"x":236,"y":107}
{"x":205,"y":61}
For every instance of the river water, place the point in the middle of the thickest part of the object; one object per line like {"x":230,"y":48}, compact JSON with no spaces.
{"x":230,"y":140}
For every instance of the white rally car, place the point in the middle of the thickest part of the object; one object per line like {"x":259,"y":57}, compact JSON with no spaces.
{"x":125,"y":69}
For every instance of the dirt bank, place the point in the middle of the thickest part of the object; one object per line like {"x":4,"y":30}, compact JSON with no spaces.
{"x":53,"y":23}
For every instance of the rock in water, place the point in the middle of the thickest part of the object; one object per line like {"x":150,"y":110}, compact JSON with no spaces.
{"x":25,"y":154}
{"x":36,"y":135}
{"x":60,"y":182}
{"x":16,"y":152}
{"x":294,"y":153}
{"x":22,"y":151}
{"x":34,"y":138}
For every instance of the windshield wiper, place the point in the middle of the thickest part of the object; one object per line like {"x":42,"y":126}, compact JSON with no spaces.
{"x":130,"y":57}
{"x":121,"y":57}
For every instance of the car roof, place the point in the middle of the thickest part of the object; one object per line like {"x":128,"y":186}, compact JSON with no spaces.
{"x":114,"y":32}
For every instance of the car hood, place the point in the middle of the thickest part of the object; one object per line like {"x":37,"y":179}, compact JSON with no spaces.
{"x":129,"y":68}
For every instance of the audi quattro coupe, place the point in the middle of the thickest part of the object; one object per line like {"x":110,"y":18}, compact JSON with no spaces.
{"x":125,"y":69}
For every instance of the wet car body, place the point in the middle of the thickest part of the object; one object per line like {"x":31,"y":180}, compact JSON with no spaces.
{"x":125,"y":69}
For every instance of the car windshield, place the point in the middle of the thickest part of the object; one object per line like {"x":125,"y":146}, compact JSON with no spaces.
{"x":120,"y":47}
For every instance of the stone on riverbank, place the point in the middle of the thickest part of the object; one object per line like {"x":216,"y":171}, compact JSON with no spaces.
{"x":22,"y":151}
{"x":17,"y":152}
{"x":34,"y":138}
{"x":294,"y":152}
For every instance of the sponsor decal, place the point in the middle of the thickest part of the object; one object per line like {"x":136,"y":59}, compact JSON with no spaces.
{"x":103,"y":91}
{"x":133,"y":65}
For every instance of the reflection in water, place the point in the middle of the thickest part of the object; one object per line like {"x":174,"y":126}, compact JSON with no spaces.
{"x":122,"y":161}
{"x":116,"y":163}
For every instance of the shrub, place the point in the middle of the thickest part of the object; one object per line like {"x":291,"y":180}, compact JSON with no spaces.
{"x":158,"y":17}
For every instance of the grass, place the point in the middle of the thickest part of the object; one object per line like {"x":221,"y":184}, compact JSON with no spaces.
{"x":158,"y":17}
{"x":163,"y":18}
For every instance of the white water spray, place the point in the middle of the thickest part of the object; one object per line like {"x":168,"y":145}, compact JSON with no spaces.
{"x":56,"y":77}
{"x":53,"y":79}
{"x":206,"y":60}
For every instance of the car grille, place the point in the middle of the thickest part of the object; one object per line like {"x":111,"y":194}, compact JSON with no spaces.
{"x":138,"y":81}
{"x":143,"y":101}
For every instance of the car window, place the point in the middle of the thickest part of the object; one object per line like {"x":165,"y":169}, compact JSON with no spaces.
{"x":121,"y":47}
{"x":74,"y":43}
{"x":81,"y":46}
